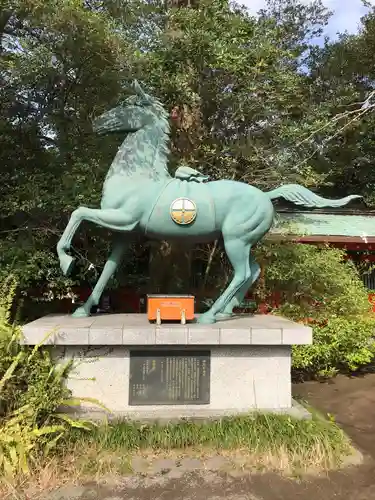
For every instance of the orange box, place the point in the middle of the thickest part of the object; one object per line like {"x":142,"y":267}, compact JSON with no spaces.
{"x":170,"y":308}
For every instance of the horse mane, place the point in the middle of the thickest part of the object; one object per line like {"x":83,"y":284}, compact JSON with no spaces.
{"x":158,"y":169}
{"x":129,"y":161}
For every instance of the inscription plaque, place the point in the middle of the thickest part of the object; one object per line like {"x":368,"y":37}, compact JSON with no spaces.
{"x":169,"y":377}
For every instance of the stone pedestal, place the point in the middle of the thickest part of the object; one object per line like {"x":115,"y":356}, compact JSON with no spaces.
{"x":140,"y":370}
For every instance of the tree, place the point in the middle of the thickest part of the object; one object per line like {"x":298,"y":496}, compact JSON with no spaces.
{"x":242,"y":107}
{"x":234,"y":82}
{"x":61,"y":62}
{"x":342,"y":79}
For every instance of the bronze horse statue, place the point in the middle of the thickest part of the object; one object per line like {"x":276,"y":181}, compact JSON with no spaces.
{"x":139,"y":195}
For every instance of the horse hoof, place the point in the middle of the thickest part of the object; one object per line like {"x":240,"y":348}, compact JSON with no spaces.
{"x":67,"y":264}
{"x":223,"y":316}
{"x":206,"y":319}
{"x":80,"y":313}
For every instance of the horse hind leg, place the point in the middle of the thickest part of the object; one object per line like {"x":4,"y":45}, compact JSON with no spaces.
{"x":240,"y":232}
{"x":238,"y":253}
{"x":240,"y":295}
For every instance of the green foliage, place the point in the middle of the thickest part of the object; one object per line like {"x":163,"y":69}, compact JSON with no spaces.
{"x":299,"y":444}
{"x":319,"y":287}
{"x":314,"y":282}
{"x":245,"y":110}
{"x":345,"y":69}
{"x":256,"y":431}
{"x":68,"y":62}
{"x":340,"y":344}
{"x":32,"y":377}
{"x":32,"y":389}
{"x":235,"y":82}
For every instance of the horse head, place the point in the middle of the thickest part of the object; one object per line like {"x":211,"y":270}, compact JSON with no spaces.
{"x":132,"y":114}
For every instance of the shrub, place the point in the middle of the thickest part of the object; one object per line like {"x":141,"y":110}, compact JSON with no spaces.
{"x":312,"y":281}
{"x":32,"y":388}
{"x":340,"y":344}
{"x":319,"y":287}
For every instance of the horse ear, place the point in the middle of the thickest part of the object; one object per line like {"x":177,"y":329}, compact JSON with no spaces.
{"x":138,"y":89}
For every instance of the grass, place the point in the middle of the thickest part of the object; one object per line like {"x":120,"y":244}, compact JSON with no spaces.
{"x":261,"y":442}
{"x":265,"y":438}
{"x":258,"y":432}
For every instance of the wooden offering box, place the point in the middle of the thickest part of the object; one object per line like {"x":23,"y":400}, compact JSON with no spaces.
{"x":170,"y":308}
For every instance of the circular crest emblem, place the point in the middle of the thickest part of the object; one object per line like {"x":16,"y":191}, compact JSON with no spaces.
{"x":183,"y":211}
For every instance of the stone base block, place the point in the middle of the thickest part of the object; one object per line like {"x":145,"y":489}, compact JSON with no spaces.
{"x":249,"y":363}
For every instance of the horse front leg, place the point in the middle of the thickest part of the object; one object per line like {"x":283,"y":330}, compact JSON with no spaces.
{"x":114,"y":219}
{"x":113,"y":262}
{"x":63,"y":246}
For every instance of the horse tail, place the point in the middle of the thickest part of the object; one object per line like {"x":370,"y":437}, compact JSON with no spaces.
{"x":299,"y":195}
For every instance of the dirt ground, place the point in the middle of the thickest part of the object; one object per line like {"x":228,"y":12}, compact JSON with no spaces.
{"x":350,"y":400}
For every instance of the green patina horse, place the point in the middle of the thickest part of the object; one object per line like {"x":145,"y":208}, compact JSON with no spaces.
{"x":140,"y":196}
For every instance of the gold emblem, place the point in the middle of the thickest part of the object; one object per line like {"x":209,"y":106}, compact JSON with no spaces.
{"x":183,"y":211}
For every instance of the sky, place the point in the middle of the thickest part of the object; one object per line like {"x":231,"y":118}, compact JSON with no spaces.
{"x":346,"y":17}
